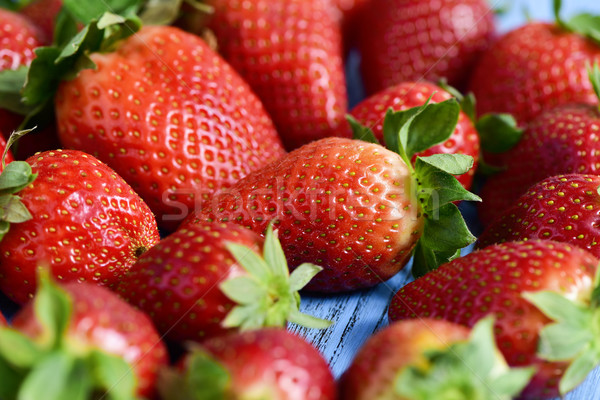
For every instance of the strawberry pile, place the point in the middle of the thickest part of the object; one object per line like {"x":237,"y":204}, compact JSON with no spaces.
{"x":174,"y":174}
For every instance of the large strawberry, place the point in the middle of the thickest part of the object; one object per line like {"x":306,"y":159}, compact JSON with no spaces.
{"x":206,"y":279}
{"x":18,"y":39}
{"x":537,"y":66}
{"x":160,"y":107}
{"x":79,"y":341}
{"x":432,"y":359}
{"x":78,"y":217}
{"x":560,"y":140}
{"x":272,"y":364}
{"x":371,"y":113}
{"x":410,"y":40}
{"x":290,"y":52}
{"x":562,"y":208}
{"x":43,"y":13}
{"x":494,"y":280}
{"x":356,"y":208}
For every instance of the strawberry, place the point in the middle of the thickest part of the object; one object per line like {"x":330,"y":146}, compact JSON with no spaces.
{"x":3,"y":320}
{"x":410,"y":40}
{"x":265,"y":364}
{"x":371,"y":112}
{"x":43,"y":13}
{"x":79,"y":341}
{"x":562,"y":208}
{"x":537,"y":66}
{"x":204,"y":280}
{"x":19,"y":37}
{"x":175,"y":127}
{"x":290,"y":52}
{"x":561,"y":140}
{"x":432,"y":359}
{"x":356,"y":208}
{"x":493,"y":281}
{"x":78,"y":217}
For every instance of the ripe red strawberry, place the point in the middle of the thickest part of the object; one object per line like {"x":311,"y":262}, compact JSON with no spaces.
{"x":562,"y":208}
{"x":43,"y":13}
{"x":431,"y":359}
{"x":18,"y":38}
{"x":84,"y":223}
{"x":536,"y":67}
{"x":267,"y":364}
{"x":3,"y":320}
{"x":493,"y":280}
{"x":80,"y":339}
{"x":562,"y":140}
{"x":402,"y":40}
{"x":162,"y":109}
{"x":195,"y":285}
{"x":290,"y":52}
{"x":356,"y":208}
{"x":371,"y":112}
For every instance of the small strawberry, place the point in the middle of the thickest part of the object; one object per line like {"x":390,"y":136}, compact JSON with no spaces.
{"x":493,"y":281}
{"x":290,"y":52}
{"x":160,"y":107}
{"x":356,"y":208}
{"x":79,"y":341}
{"x":563,"y":208}
{"x":371,"y":112}
{"x":72,"y":214}
{"x":206,"y":279}
{"x":411,"y":40}
{"x":561,"y":140}
{"x":270,"y":364}
{"x":432,"y":359}
{"x":538,"y":66}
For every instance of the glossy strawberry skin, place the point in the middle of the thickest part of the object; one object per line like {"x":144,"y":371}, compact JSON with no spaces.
{"x":491,"y":281}
{"x":276,"y":361}
{"x":43,"y":13}
{"x":290,"y":52}
{"x":371,"y":113}
{"x":339,"y":203}
{"x":563,"y":140}
{"x":101,"y":320}
{"x":87,"y":225}
{"x":18,"y":39}
{"x":373,"y":371}
{"x":563,"y":208}
{"x":173,"y":119}
{"x":533,"y":68}
{"x":411,"y":40}
{"x":177,"y":282}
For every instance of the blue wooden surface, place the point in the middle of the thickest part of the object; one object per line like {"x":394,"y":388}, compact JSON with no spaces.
{"x":358,"y":315}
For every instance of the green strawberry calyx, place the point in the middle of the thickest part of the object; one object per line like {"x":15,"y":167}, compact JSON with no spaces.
{"x":15,"y":177}
{"x":585,"y":24}
{"x":435,"y":186}
{"x":574,"y":334}
{"x":471,"y":369}
{"x":268,"y":294}
{"x":52,"y":367}
{"x":594,"y":76}
{"x":202,"y":377}
{"x":498,"y":132}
